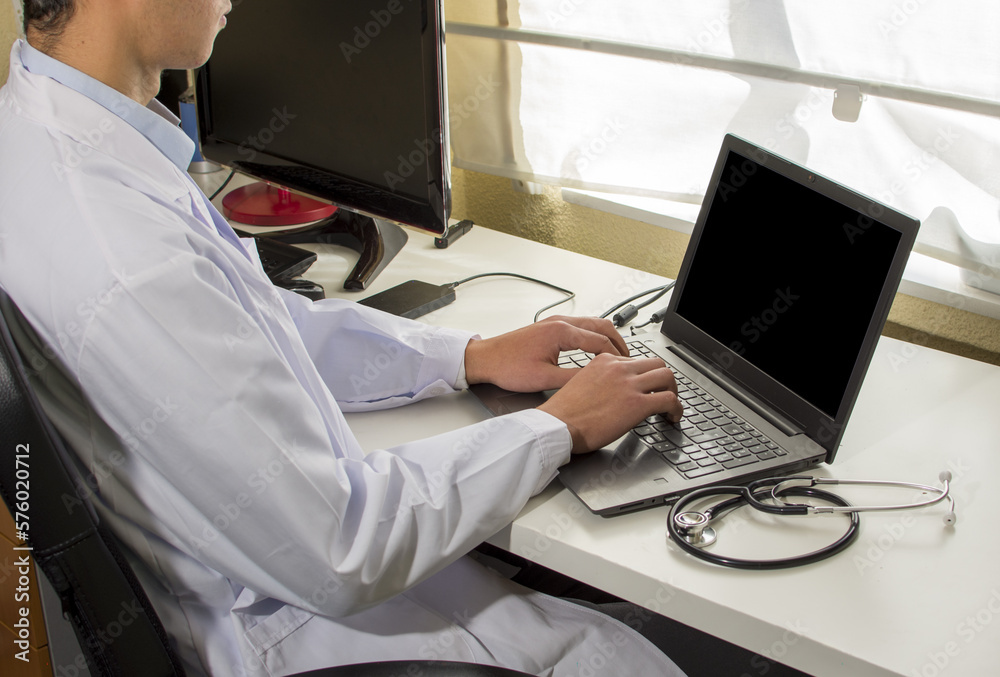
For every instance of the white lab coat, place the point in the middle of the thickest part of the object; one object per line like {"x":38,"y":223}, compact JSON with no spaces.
{"x":205,"y":406}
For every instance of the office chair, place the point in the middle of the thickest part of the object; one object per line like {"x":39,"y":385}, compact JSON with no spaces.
{"x":83,"y":562}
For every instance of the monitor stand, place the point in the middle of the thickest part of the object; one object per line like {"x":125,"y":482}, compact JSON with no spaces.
{"x":263,"y":204}
{"x":376,"y":240}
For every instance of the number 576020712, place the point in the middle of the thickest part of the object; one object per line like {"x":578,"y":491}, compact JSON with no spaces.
{"x":22,"y":489}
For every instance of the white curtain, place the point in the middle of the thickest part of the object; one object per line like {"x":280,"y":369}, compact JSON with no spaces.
{"x":634,"y":96}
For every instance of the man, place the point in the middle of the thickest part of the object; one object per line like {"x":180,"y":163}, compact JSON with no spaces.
{"x":206,"y":405}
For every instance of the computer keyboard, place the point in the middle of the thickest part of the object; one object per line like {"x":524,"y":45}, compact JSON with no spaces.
{"x":280,"y":261}
{"x":709,"y":439}
{"x":312,"y":181}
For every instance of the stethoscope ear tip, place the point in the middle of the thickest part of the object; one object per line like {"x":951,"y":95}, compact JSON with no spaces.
{"x":950,"y":519}
{"x":945,"y":476}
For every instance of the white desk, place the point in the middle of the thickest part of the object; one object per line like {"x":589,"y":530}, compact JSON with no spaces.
{"x":910,"y":597}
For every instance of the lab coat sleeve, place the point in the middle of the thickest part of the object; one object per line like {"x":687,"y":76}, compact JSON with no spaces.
{"x":236,"y":454}
{"x":373,"y":360}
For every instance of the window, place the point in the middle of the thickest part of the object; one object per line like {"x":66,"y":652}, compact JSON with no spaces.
{"x":898,"y":99}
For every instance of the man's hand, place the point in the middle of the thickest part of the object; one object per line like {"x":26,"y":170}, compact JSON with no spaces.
{"x":526,"y":360}
{"x":598,"y":403}
{"x":612,"y":394}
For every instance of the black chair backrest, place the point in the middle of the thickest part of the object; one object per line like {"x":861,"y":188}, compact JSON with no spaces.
{"x":118,"y":631}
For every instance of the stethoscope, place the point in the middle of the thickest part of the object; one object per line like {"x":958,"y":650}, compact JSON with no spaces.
{"x":690,"y":529}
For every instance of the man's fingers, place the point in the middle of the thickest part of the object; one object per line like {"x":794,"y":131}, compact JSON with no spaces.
{"x":667,"y":403}
{"x":592,"y":335}
{"x":653,"y":377}
{"x":610,"y":395}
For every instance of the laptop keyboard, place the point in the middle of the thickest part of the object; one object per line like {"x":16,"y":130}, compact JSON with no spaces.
{"x":709,"y":439}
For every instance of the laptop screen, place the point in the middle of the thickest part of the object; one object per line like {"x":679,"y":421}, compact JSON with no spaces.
{"x":788,"y":278}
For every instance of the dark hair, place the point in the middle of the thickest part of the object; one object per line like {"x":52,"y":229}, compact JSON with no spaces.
{"x":48,"y":17}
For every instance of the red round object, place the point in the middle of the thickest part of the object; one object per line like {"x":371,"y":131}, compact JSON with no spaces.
{"x":261,"y":204}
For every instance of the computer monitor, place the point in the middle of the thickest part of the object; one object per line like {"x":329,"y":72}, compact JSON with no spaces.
{"x":344,"y":101}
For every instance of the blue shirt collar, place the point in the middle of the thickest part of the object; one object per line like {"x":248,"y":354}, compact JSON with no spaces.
{"x":154,"y":121}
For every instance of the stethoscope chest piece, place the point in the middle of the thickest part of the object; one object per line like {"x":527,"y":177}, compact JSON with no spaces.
{"x":693,"y":528}
{"x":690,"y":529}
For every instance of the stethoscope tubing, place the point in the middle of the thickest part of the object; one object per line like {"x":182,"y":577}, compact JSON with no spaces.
{"x":752,"y":494}
{"x":941,"y":494}
{"x":690,"y":530}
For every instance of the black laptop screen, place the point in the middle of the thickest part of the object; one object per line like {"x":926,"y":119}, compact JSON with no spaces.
{"x":787,"y":278}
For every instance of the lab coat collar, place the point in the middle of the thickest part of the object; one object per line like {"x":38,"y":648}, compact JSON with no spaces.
{"x":154,"y":121}
{"x":157,"y":158}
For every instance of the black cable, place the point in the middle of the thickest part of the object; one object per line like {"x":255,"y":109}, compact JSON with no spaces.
{"x":659,"y":315}
{"x":629,"y":311}
{"x":223,"y":186}
{"x":569,"y":294}
{"x":662,"y":289}
{"x":655,"y":318}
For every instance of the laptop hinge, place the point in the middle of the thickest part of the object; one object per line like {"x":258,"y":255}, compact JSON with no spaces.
{"x":744,"y":396}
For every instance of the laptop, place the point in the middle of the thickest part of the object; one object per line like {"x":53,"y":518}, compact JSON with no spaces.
{"x":778,"y":306}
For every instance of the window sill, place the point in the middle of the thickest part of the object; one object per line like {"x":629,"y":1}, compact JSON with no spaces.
{"x":678,"y":216}
{"x":925,"y":277}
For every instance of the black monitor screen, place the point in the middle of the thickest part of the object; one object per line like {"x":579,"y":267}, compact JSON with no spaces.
{"x":789,"y":279}
{"x":343,"y":100}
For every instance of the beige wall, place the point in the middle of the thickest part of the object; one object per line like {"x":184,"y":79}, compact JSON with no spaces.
{"x":8,"y":33}
{"x":492,"y":202}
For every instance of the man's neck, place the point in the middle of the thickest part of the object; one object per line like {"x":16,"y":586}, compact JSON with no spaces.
{"x":105,"y":60}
